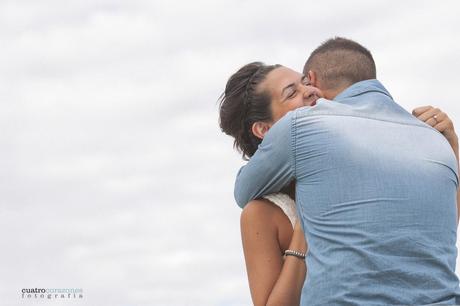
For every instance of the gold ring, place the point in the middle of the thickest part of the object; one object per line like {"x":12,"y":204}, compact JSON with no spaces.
{"x":435,"y":117}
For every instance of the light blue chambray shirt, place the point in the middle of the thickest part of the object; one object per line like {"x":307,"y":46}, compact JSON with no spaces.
{"x":376,"y":195}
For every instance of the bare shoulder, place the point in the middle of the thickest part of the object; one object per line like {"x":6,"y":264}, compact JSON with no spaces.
{"x":263,"y":219}
{"x":263,"y":213}
{"x":259,"y":211}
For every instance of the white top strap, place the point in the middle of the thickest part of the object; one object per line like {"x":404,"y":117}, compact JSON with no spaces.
{"x":285,"y":203}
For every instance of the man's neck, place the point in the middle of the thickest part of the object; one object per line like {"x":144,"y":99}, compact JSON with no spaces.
{"x":331,"y":93}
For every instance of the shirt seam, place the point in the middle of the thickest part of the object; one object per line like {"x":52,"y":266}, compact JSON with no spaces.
{"x":382,"y":120}
{"x":294,"y":144}
{"x":352,"y":95}
{"x":372,"y":118}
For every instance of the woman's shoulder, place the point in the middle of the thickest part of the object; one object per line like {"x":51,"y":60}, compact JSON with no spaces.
{"x":262,"y":219}
{"x":259,"y":209}
{"x":263,"y":212}
{"x":285,"y":203}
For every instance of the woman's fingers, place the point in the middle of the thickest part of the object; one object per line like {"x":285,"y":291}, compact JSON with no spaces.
{"x":420,"y":110}
{"x":435,"y":118}
{"x":442,"y":126}
{"x":438,"y":120}
{"x":429,"y":113}
{"x":432,"y":116}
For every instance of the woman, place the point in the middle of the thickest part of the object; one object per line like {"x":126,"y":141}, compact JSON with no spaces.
{"x":255,"y":97}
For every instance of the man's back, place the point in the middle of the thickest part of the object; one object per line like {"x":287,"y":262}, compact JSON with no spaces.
{"x":376,"y":193}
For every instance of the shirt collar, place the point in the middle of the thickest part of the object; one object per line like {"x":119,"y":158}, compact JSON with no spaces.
{"x":362,"y":87}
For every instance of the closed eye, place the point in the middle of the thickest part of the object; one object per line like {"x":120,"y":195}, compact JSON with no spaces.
{"x":292,"y":94}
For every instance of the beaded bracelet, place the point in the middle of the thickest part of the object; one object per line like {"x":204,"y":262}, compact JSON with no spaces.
{"x":294,"y":253}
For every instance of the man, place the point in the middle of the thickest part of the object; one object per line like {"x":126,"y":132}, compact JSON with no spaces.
{"x":375,"y":188}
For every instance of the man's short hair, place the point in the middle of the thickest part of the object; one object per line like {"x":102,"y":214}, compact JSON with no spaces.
{"x":341,"y":62}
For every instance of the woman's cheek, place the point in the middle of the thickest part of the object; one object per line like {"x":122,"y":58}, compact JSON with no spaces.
{"x":299,"y":103}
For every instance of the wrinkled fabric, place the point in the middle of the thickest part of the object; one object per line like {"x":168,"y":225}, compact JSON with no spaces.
{"x":376,"y":196}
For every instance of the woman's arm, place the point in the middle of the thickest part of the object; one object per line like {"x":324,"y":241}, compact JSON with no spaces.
{"x":272,"y":280}
{"x":288,"y":287}
{"x":440,"y":121}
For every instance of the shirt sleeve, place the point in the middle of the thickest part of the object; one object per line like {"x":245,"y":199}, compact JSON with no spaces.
{"x":271,"y":167}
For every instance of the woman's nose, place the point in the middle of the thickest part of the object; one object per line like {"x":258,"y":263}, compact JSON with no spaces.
{"x":304,"y":90}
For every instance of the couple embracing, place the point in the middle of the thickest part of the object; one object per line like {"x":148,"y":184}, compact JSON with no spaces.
{"x":347,"y":198}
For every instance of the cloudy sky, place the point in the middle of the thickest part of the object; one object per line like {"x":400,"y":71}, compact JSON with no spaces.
{"x":115,"y":176}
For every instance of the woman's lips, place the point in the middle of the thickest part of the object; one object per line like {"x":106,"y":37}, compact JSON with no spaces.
{"x":314,"y":95}
{"x":311,"y":100}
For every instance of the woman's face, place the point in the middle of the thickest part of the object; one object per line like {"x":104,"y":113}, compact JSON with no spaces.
{"x":288,"y":90}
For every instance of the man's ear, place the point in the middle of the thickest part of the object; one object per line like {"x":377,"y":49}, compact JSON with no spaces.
{"x":313,"y":78}
{"x":259,"y":129}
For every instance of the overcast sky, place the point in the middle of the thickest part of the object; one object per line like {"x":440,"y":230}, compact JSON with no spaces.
{"x":115,"y":176}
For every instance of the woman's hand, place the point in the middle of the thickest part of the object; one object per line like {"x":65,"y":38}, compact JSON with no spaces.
{"x":438,"y":120}
{"x":298,"y":239}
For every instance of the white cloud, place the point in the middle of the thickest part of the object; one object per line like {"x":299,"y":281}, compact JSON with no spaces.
{"x":116,"y":178}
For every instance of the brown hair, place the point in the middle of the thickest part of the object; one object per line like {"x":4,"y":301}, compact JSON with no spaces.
{"x":243,"y":103}
{"x":340,"y":61}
